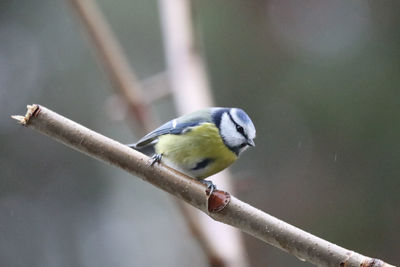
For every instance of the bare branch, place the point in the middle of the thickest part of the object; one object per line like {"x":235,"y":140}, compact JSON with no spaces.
{"x":237,"y":213}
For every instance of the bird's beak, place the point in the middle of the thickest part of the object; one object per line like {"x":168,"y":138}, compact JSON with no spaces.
{"x":250,"y":142}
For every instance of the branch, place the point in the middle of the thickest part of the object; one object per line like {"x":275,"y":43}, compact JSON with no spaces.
{"x":237,"y":213}
{"x":185,"y":62}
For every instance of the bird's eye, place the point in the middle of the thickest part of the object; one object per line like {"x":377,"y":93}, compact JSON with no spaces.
{"x":239,"y":129}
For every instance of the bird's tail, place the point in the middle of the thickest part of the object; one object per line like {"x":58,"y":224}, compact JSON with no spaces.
{"x":147,"y":150}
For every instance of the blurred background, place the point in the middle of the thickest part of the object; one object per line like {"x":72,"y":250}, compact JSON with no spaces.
{"x":320,"y":80}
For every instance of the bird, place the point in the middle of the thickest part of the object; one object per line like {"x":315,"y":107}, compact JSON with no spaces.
{"x":201,"y":143}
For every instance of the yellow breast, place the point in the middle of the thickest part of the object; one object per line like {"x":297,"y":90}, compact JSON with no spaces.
{"x":200,"y":152}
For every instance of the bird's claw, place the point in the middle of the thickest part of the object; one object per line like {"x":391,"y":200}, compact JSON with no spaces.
{"x":156,"y":158}
{"x":210,"y":186}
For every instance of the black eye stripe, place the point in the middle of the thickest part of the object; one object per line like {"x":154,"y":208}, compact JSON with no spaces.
{"x":238,"y":127}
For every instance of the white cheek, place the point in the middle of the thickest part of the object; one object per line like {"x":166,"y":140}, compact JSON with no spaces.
{"x":229,"y":132}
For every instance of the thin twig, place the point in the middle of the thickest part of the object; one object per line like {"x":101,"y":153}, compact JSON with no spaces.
{"x":237,"y":213}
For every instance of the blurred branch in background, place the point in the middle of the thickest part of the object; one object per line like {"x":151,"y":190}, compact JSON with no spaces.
{"x":237,"y":213}
{"x":190,"y":92}
{"x":157,"y":87}
{"x":188,"y":75}
{"x":190,"y":87}
{"x":113,"y":59}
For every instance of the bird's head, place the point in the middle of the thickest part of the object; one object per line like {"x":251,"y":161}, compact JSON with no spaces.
{"x":236,"y":128}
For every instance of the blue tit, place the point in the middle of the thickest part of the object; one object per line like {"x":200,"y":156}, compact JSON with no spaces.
{"x":201,"y":143}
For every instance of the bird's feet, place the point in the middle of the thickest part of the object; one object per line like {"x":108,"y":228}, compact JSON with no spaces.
{"x":210,"y":186}
{"x":156,"y":158}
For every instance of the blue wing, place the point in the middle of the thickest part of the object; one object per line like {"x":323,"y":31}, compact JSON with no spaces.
{"x":176,"y":126}
{"x":166,"y":128}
